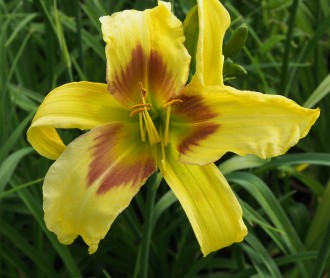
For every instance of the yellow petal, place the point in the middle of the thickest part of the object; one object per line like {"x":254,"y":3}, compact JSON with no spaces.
{"x":242,"y":122}
{"x":213,"y":23}
{"x":93,"y":180}
{"x":82,"y":105}
{"x":167,"y":5}
{"x":211,"y":206}
{"x":145,"y":47}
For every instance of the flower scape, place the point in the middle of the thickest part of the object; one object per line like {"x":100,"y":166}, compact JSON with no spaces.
{"x":148,"y":117}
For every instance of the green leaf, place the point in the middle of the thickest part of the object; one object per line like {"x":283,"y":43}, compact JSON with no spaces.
{"x":263,"y":262}
{"x":320,"y":221}
{"x":323,"y":255}
{"x":27,"y":18}
{"x":8,"y":166}
{"x":262,"y":194}
{"x":35,"y":207}
{"x":11,"y":141}
{"x":320,"y":92}
{"x":236,"y":163}
{"x":20,"y":242}
{"x":164,"y":203}
{"x":294,"y":159}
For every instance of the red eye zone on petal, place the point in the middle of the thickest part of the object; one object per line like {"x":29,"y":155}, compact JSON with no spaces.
{"x":147,"y":68}
{"x":196,"y":135}
{"x":116,"y":164}
{"x":199,"y":117}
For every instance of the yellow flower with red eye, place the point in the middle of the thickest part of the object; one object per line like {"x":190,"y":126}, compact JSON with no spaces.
{"x":147,"y":117}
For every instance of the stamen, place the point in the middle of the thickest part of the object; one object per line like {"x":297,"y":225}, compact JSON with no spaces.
{"x":141,"y":105}
{"x":143,"y":92}
{"x":164,"y":165}
{"x":172,"y":102}
{"x":167,"y":125}
{"x":163,"y":161}
{"x":142,"y":131}
{"x":139,"y":110}
{"x":168,"y":115}
{"x":144,"y":118}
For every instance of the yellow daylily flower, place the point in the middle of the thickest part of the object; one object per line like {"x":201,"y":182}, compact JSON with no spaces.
{"x":145,"y":118}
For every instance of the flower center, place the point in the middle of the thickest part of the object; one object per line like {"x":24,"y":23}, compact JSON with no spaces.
{"x":147,"y":126}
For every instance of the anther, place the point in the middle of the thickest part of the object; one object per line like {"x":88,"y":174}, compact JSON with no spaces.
{"x":143,"y":92}
{"x":172,"y":102}
{"x":141,"y":105}
{"x":138,"y":111}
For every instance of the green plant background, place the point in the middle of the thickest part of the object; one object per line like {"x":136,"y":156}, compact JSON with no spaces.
{"x":286,"y":200}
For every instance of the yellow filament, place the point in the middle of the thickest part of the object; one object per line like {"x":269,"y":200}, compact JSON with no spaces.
{"x":142,"y":131}
{"x":167,"y":125}
{"x":163,"y":161}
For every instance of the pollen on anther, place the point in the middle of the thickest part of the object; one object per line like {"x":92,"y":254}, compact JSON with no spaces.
{"x":139,"y":110}
{"x":143,"y":91}
{"x":141,"y":105}
{"x":172,"y":102}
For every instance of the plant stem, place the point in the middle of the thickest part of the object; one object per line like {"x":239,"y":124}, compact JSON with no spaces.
{"x":143,"y":256}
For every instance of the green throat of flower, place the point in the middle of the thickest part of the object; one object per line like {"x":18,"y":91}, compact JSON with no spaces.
{"x":158,"y":133}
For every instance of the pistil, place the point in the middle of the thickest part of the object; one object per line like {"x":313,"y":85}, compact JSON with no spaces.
{"x":151,"y":129}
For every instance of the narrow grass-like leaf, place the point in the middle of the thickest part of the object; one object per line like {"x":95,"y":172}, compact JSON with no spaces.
{"x":323,"y":255}
{"x":301,"y":256}
{"x":286,"y":58}
{"x":254,"y":217}
{"x":17,"y":57}
{"x":8,"y":166}
{"x":10,"y":258}
{"x":322,"y":28}
{"x":263,"y":262}
{"x":240,"y":162}
{"x":62,"y":41}
{"x":198,"y":266}
{"x":26,"y":19}
{"x":319,"y":222}
{"x":166,"y":201}
{"x":34,"y":206}
{"x":90,"y":40}
{"x":11,"y":141}
{"x":320,"y":92}
{"x":310,"y":182}
{"x":262,"y":194}
{"x":294,"y":159}
{"x":27,"y":93}
{"x":271,"y":43}
{"x":19,"y":187}
{"x":30,"y":251}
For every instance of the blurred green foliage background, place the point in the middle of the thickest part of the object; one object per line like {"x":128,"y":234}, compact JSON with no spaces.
{"x":286,"y":200}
